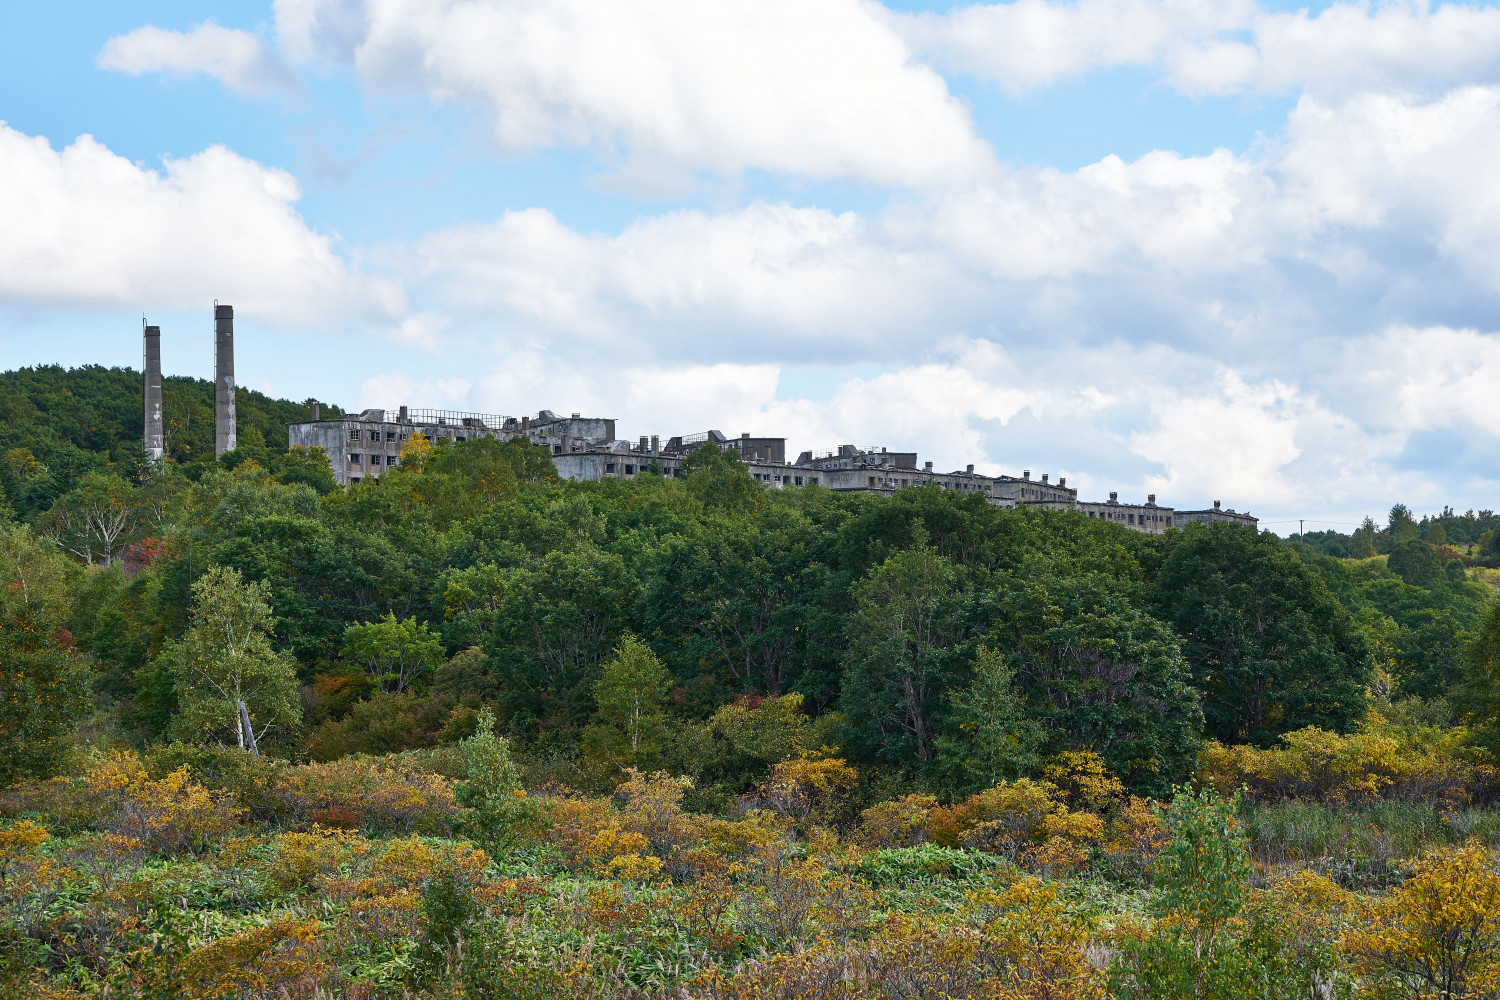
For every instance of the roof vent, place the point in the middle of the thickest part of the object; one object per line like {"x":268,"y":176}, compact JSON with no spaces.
{"x":1151,"y":499}
{"x":1062,"y":480}
{"x":1114,"y":497}
{"x":1216,"y":505}
{"x":1026,"y":474}
{"x":969,"y":470}
{"x":1044,"y":477}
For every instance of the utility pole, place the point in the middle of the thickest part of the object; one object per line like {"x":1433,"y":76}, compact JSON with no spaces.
{"x":1300,"y":532}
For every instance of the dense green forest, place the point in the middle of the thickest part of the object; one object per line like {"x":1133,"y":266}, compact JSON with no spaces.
{"x":919,"y":669}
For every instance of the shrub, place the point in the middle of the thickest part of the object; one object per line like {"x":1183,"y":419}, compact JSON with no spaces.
{"x":1003,"y":819}
{"x":1435,"y":936}
{"x":899,"y":822}
{"x":1381,"y":762}
{"x":499,"y":813}
{"x":807,"y":787}
{"x":171,"y":814}
{"x":387,"y":796}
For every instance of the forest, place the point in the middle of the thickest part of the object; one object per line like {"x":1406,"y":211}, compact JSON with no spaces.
{"x":472,"y":731}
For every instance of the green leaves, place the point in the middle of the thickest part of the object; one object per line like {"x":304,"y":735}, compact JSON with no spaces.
{"x":230,"y":680}
{"x":397,"y":654}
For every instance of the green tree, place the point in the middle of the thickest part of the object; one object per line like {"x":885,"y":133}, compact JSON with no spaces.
{"x":1478,"y":697}
{"x":904,"y":645}
{"x":1414,"y":561}
{"x":1361,"y":544}
{"x":1401,"y":526}
{"x":989,"y":736}
{"x":230,"y":678}
{"x":44,"y":682}
{"x":397,"y":654}
{"x":499,"y":812}
{"x":95,"y":520}
{"x":632,"y":690}
{"x":1436,"y":534}
{"x":1103,"y":676}
{"x":308,"y":466}
{"x":1271,"y":649}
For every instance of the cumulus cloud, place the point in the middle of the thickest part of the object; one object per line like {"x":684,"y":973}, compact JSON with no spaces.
{"x":820,"y":88}
{"x":1203,"y":47}
{"x":235,"y":58}
{"x":85,"y":226}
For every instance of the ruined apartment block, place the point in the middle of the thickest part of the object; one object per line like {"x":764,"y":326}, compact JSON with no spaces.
{"x":368,"y":445}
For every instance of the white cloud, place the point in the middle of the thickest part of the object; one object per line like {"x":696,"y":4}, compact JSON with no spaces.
{"x":821,"y":88}
{"x":1034,"y":43}
{"x":235,"y":58}
{"x":84,"y":226}
{"x":1203,"y":47}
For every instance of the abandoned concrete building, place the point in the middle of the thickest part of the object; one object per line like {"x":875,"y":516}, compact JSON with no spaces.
{"x":368,"y":445}
{"x":1216,"y":514}
{"x":585,"y":448}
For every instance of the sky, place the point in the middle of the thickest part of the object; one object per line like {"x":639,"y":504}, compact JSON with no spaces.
{"x":1202,"y":249}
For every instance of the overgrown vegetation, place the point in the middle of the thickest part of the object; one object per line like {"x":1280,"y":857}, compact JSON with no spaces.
{"x":470,"y":731}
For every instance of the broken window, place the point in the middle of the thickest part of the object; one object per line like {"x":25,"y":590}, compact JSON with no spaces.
{"x":354,"y":459}
{"x":609,"y":468}
{"x":390,"y":435}
{"x":354,"y":435}
{"x":629,"y":470}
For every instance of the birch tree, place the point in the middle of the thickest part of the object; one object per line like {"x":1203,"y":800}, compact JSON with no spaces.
{"x":230,"y":679}
{"x":95,"y":520}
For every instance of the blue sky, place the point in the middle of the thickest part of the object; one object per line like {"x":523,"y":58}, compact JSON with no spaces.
{"x":1201,"y":249}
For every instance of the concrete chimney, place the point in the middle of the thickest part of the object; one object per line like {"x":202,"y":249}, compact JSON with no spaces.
{"x":403,"y":415}
{"x":1114,"y":497}
{"x":927,"y":466}
{"x":970,"y":470}
{"x":655,"y":444}
{"x":1045,"y":475}
{"x":1026,"y":474}
{"x":1151,"y":499}
{"x":315,"y":412}
{"x":642,"y":444}
{"x":1062,"y":480}
{"x":225,"y":438}
{"x":154,"y":438}
{"x":1216,"y":505}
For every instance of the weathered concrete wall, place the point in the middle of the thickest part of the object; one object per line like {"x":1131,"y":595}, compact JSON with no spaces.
{"x":154,"y":438}
{"x":226,"y":437}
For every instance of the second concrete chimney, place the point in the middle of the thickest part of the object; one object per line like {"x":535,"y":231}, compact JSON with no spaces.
{"x":315,"y":411}
{"x":154,"y":439}
{"x":225,"y":438}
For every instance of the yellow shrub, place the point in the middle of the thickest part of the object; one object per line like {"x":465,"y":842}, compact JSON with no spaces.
{"x":1083,"y":778}
{"x":1002,"y":819}
{"x":573,"y":823}
{"x":1435,"y":936}
{"x":632,"y":867}
{"x":174,"y":813}
{"x":1382,"y":762}
{"x":1136,"y":834}
{"x":612,"y":842}
{"x":807,"y":784}
{"x":899,"y":822}
{"x":265,"y":961}
{"x":21,"y":837}
{"x":653,"y":808}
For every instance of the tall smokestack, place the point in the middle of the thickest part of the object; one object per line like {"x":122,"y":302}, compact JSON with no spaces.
{"x":154,"y":438}
{"x":225,"y":438}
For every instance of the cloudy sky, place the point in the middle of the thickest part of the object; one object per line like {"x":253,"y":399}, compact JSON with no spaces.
{"x":1208,"y":249}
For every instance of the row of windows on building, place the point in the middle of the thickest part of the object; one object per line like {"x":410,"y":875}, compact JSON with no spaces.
{"x":877,"y":482}
{"x":1129,"y":518}
{"x":771,"y":477}
{"x":357,"y":459}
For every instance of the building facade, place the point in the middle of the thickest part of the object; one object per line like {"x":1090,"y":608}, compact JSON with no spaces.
{"x":1217,"y":514}
{"x":585,"y":448}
